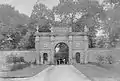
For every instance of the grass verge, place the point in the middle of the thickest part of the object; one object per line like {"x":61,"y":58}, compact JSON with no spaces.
{"x":26,"y":72}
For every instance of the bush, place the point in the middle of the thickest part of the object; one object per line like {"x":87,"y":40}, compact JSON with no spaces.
{"x":14,"y":59}
{"x":9,"y":59}
{"x":105,"y":59}
{"x":100,"y":59}
{"x":18,"y":67}
{"x":110,"y":59}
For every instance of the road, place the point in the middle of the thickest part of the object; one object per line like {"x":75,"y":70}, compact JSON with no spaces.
{"x":57,"y":73}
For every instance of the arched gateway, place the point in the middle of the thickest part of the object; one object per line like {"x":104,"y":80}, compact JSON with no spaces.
{"x":61,"y":53}
{"x":61,"y":46}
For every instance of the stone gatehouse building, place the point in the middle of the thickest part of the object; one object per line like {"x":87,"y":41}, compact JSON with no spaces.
{"x":77,"y":42}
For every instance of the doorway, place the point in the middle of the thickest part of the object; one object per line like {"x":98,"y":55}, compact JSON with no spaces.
{"x":78,"y":57}
{"x":45,"y":58}
{"x":61,"y":53}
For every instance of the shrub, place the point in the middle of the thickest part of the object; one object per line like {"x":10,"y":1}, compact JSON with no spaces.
{"x":100,"y":59}
{"x":18,"y":67}
{"x":109,"y":59}
{"x":22,"y":59}
{"x":105,"y":59}
{"x":14,"y":59}
{"x":10,"y":58}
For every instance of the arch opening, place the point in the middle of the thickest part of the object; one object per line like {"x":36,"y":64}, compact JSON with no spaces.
{"x":45,"y":58}
{"x":61,"y":53}
{"x":78,"y":57}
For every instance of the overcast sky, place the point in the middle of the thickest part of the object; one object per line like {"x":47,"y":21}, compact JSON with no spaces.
{"x":26,"y":6}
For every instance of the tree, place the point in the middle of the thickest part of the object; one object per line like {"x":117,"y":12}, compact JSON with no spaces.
{"x":24,"y":42}
{"x":80,"y":13}
{"x":66,"y":11}
{"x":42,"y":16}
{"x":112,"y":20}
{"x":15,"y":34}
{"x":70,"y":11}
{"x":31,"y":40}
{"x":10,"y":17}
{"x":12,"y":24}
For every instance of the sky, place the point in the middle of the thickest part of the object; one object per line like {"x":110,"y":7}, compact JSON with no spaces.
{"x":26,"y":6}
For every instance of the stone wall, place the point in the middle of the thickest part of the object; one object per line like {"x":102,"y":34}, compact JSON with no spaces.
{"x":93,"y":53}
{"x":29,"y":56}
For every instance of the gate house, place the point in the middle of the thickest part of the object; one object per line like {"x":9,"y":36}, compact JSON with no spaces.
{"x":77,"y":42}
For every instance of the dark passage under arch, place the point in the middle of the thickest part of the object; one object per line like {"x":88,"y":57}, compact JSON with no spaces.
{"x":78,"y":57}
{"x":61,"y":53}
{"x":45,"y":58}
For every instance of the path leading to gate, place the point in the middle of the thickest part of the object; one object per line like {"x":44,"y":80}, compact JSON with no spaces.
{"x":58,"y":73}
{"x":65,"y":73}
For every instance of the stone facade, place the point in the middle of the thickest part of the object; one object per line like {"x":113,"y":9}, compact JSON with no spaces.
{"x":45,"y":42}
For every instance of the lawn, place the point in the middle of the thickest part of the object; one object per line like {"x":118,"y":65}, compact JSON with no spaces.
{"x":93,"y":71}
{"x":26,"y":72}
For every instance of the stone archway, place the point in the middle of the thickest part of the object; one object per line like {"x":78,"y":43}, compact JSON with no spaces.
{"x":77,"y":57}
{"x":61,"y":53}
{"x":46,"y":42}
{"x":45,"y":58}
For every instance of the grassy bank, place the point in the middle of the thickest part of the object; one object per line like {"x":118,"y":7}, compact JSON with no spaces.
{"x":26,"y":72}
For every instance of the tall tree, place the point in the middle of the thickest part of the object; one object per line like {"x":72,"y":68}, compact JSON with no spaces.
{"x":10,"y":17}
{"x":112,"y":20}
{"x":69,"y":11}
{"x":42,"y":16}
{"x":12,"y":24}
{"x":80,"y":13}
